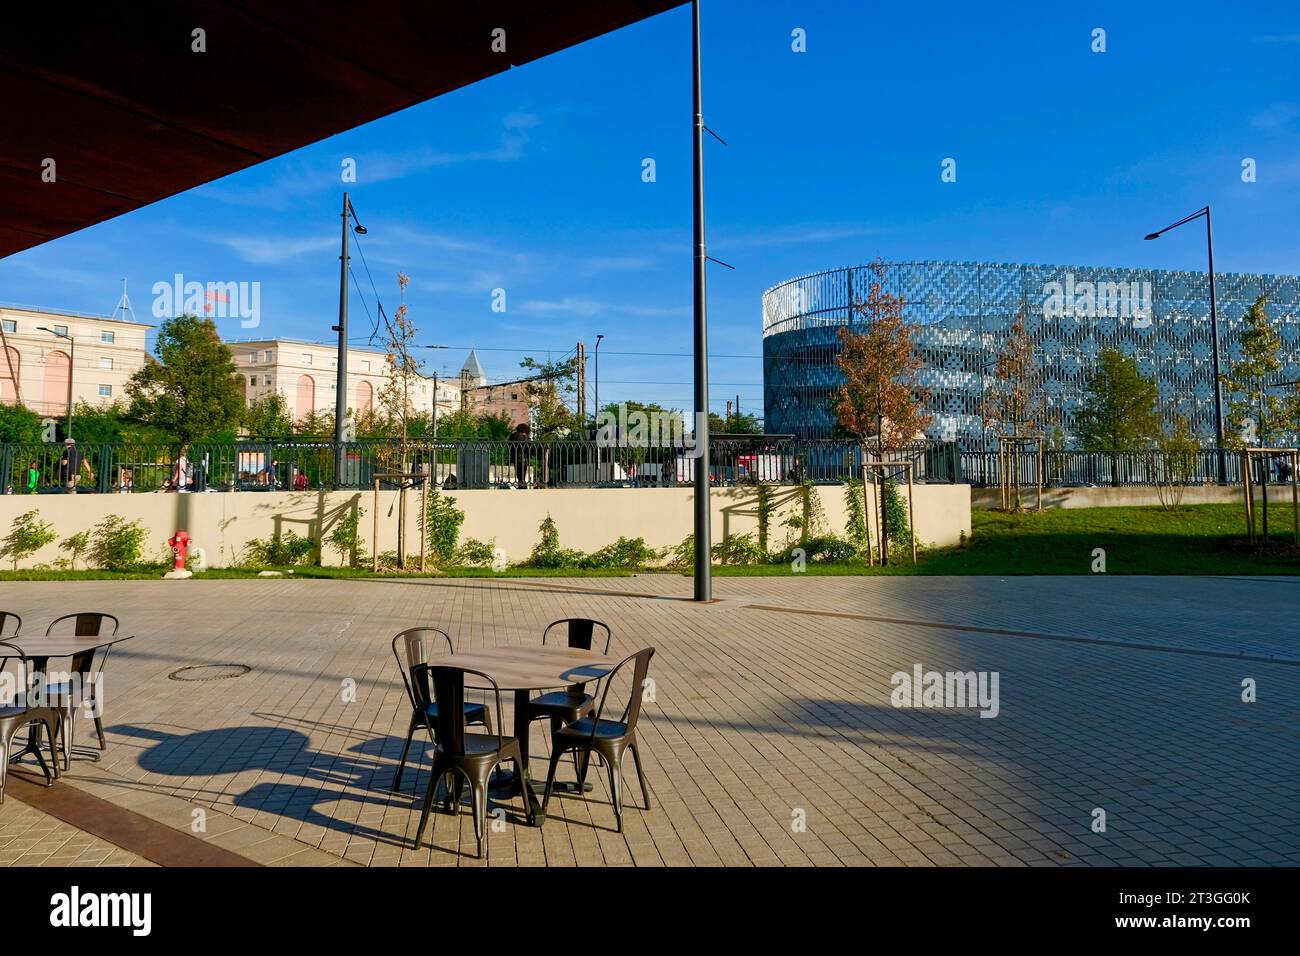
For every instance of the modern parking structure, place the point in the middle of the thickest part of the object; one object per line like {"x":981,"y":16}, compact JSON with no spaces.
{"x":964,"y":312}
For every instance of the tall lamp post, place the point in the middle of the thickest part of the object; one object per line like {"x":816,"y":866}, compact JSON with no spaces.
{"x":72,"y":355}
{"x":703,"y":534}
{"x":435,"y":394}
{"x":341,"y":388}
{"x":1214,"y":332}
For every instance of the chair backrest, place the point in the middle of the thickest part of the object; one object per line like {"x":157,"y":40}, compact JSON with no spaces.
{"x":640,"y":668}
{"x":583,"y":632}
{"x":25,"y":671}
{"x":413,"y":646}
{"x":10,"y":623}
{"x":85,"y":624}
{"x":448,"y":689}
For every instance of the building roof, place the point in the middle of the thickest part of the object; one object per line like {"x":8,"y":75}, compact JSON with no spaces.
{"x":472,"y":368}
{"x":133,"y":112}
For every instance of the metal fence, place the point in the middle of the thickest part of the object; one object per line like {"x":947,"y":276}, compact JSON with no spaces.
{"x":1081,"y":469}
{"x":298,"y":465}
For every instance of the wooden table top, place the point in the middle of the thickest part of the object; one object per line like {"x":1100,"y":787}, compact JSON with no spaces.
{"x":530,"y":668}
{"x":59,"y":645}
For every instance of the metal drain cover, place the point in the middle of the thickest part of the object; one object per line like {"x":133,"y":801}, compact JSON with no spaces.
{"x":205,"y":672}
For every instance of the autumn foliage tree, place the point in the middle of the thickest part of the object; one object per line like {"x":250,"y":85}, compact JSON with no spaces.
{"x":1014,"y":400}
{"x":880,"y":402}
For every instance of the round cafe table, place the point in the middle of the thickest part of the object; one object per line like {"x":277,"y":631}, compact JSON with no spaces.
{"x":524,"y":670}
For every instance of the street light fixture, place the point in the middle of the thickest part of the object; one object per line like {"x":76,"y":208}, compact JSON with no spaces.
{"x":72,"y":354}
{"x":1214,"y":331}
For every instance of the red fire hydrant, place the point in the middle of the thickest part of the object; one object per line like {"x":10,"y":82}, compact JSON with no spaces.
{"x":179,"y":542}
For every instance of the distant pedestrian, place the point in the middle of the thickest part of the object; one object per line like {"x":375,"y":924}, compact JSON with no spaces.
{"x":181,"y":473}
{"x":33,"y":478}
{"x":71,"y":466}
{"x":519,"y":438}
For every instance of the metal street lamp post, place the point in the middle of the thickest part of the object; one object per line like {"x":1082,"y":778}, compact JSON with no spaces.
{"x":1214,"y":332}
{"x":341,"y":386}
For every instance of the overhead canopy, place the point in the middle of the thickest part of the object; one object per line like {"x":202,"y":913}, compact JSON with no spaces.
{"x":115,"y":95}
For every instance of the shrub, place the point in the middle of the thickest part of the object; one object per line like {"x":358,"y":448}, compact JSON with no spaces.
{"x":280,"y":550}
{"x":629,"y":554}
{"x":856,"y":526}
{"x":117,"y":544}
{"x":476,"y":553}
{"x":548,"y":553}
{"x":76,"y":546}
{"x":682,"y":556}
{"x":27,"y":536}
{"x":738,"y":549}
{"x":346,"y":537}
{"x":443,"y":520}
{"x":900,"y":538}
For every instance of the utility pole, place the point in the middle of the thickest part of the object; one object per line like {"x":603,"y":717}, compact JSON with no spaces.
{"x":727,"y":420}
{"x":703,"y":531}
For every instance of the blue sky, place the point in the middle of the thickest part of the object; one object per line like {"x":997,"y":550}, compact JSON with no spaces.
{"x":531,"y":181}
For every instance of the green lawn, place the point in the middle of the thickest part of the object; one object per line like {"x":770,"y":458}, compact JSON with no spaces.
{"x":1202,"y":539}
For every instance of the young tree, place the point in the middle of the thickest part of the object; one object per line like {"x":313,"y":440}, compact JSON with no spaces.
{"x":1014,"y":401}
{"x":269,"y":417}
{"x":1257,"y":412}
{"x":548,"y":392}
{"x":403,"y":368}
{"x":1120,"y":411}
{"x":880,"y":402}
{"x":193,"y":390}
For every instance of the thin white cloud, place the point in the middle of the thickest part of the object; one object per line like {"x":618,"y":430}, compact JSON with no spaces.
{"x":273,"y":250}
{"x":790,"y":236}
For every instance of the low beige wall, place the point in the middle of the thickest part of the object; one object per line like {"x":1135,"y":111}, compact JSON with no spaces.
{"x":222,"y":523}
{"x":1104,"y":497}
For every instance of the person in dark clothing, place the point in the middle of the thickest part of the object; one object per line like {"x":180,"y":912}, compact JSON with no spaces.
{"x":520,"y":438}
{"x":71,"y":465}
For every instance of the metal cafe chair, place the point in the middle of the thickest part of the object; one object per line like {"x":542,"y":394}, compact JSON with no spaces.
{"x":468,"y":757}
{"x":415,"y":642}
{"x":10,"y":623}
{"x":20,"y":712}
{"x":566,"y":706}
{"x":84,"y":624}
{"x":609,"y":739}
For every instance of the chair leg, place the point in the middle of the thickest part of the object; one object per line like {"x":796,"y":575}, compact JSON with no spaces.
{"x":51,"y":733}
{"x":557,"y":752}
{"x":99,"y":729}
{"x":478,"y":794}
{"x":640,"y":774}
{"x":4,"y":765}
{"x":65,"y":735}
{"x":487,"y":720}
{"x":526,"y":790}
{"x":430,"y":793}
{"x":616,"y":791}
{"x":401,"y":764}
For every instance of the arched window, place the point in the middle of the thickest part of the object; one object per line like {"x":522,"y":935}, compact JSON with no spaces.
{"x":54,"y":391}
{"x":365,"y":403}
{"x":306,"y":398}
{"x":9,"y":380}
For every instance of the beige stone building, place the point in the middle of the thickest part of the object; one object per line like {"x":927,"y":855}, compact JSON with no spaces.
{"x":41,"y":348}
{"x":482,"y":398}
{"x":306,"y":374}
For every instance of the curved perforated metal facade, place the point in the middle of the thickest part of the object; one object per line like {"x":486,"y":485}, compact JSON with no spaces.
{"x":964,"y":311}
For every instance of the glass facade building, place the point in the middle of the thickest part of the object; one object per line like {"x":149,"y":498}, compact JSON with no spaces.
{"x":963,"y":312}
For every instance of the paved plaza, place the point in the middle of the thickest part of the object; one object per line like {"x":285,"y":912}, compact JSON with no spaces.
{"x":771,"y":738}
